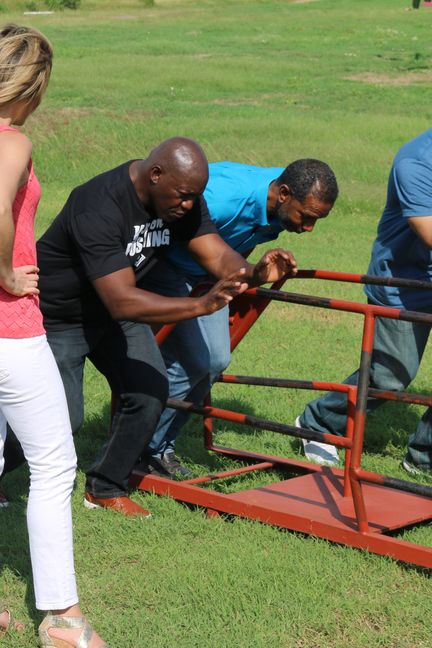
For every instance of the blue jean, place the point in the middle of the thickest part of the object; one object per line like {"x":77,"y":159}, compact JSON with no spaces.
{"x":195,"y":353}
{"x":397,"y":353}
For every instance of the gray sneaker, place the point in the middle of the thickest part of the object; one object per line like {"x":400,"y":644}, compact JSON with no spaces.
{"x":168,"y":466}
{"x":410,"y":468}
{"x":320,"y":453}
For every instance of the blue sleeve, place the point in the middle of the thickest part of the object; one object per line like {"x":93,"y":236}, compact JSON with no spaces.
{"x":413,"y":184}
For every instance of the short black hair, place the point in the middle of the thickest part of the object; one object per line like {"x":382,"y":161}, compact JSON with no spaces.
{"x":310,"y":176}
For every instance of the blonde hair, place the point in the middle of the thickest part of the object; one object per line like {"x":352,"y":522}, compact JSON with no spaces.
{"x":25,"y":64}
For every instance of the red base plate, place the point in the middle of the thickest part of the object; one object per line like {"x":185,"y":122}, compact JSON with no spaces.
{"x":319,"y":496}
{"x":314,"y":504}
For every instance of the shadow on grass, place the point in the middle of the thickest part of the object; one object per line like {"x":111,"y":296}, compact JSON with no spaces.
{"x":14,"y":551}
{"x":387,"y":428}
{"x":390,"y":426}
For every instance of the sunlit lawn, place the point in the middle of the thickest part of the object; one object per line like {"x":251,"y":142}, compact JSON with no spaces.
{"x":265,"y":83}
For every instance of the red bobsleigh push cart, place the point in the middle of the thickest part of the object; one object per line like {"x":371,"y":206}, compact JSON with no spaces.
{"x":349,"y":505}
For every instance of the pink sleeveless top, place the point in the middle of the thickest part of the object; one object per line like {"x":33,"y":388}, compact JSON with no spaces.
{"x":20,"y":317}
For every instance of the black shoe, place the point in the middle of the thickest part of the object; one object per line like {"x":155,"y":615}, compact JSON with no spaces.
{"x":168,"y":466}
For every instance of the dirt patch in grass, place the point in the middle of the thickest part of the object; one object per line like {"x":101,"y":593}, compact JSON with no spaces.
{"x":384,"y":79}
{"x":57,"y":117}
{"x":257,"y":100}
{"x":52,"y":117}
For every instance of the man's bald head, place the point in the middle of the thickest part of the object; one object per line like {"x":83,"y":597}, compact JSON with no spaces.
{"x":180,"y":155}
{"x":173,"y":176}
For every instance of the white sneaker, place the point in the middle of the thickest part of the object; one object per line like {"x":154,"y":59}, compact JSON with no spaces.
{"x":410,"y":468}
{"x":321,"y":453}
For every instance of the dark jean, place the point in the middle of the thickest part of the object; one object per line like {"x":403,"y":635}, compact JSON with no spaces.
{"x":195,"y":353}
{"x":127,"y":355}
{"x":397,"y":353}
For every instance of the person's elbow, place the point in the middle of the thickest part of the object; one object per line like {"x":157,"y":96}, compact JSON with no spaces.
{"x":121,"y":309}
{"x":119,"y":306}
{"x":427,"y":240}
{"x":422,"y":227}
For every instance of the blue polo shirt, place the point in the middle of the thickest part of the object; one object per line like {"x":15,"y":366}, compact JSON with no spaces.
{"x":236,"y":196}
{"x":397,"y":250}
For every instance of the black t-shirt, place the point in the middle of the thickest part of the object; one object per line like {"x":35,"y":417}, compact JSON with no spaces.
{"x":102,"y":228}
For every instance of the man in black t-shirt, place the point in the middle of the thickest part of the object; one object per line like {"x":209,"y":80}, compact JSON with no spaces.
{"x":93,"y":261}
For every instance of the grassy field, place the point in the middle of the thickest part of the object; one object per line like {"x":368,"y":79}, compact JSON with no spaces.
{"x":263,"y":82}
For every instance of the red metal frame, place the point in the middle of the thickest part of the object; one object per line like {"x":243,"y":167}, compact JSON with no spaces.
{"x":349,"y":506}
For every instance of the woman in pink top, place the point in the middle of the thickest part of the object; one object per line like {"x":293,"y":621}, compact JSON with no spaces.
{"x":32,"y":398}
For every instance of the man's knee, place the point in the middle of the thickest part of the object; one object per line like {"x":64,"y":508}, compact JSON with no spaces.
{"x":147,"y":404}
{"x":219,"y":362}
{"x":387,"y":373}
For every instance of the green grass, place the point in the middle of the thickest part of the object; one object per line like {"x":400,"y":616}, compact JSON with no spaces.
{"x":261,"y":82}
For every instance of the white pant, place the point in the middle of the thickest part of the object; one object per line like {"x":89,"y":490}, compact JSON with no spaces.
{"x":33,"y":402}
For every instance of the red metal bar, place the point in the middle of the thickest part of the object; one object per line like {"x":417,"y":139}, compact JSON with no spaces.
{"x":360,"y":419}
{"x":392,"y":482}
{"x":163,"y":332}
{"x":319,"y":385}
{"x":349,"y":433}
{"x":363,"y":279}
{"x":264,"y":465}
{"x":208,"y":425}
{"x":297,"y":467}
{"x":340,"y":304}
{"x":284,"y":382}
{"x":263,"y":424}
{"x":246,"y":311}
{"x":403,"y":397}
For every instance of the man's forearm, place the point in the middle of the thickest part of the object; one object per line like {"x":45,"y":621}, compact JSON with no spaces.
{"x":151,"y":308}
{"x":124,"y":301}
{"x":229,"y":264}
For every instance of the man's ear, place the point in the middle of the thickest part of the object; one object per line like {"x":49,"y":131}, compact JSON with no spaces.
{"x":285,"y":193}
{"x":155,"y":174}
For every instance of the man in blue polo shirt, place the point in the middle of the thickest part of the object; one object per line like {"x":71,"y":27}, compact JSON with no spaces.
{"x":402,"y":249}
{"x":249,"y":205}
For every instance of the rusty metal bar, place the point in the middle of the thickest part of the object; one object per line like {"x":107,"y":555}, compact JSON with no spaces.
{"x":360,"y":420}
{"x":363,"y":279}
{"x":208,"y":425}
{"x":340,"y":304}
{"x":393,"y":482}
{"x":349,"y":432}
{"x":163,"y":332}
{"x":282,"y":382}
{"x":264,"y":465}
{"x":260,"y":423}
{"x":319,"y":385}
{"x":403,"y":397}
